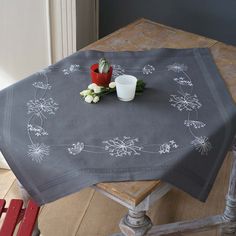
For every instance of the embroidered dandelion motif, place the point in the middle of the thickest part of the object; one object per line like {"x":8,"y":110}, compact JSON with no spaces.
{"x":202,"y":145}
{"x":176,"y":67}
{"x":148,"y":69}
{"x":185,"y":102}
{"x":121,"y":147}
{"x":42,"y":105}
{"x":38,"y":130}
{"x":167,"y":147}
{"x":117,"y":70}
{"x":76,"y":148}
{"x":73,"y":68}
{"x":42,"y":85}
{"x":195,"y":123}
{"x":37,"y":152}
{"x":182,"y":81}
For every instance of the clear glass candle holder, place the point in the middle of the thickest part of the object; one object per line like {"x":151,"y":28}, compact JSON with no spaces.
{"x":126,"y":87}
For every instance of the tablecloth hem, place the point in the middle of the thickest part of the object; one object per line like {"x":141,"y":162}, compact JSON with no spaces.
{"x":77,"y":183}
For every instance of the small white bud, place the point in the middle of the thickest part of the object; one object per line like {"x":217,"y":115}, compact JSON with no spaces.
{"x":88,"y":99}
{"x":112,"y":85}
{"x":97,"y":89}
{"x":92,"y":86}
{"x":96,"y":99}
{"x":85,"y":92}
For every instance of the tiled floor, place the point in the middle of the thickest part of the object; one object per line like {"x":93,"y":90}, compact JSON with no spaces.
{"x":89,"y":213}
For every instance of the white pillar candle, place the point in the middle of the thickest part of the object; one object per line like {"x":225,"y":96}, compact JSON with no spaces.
{"x":125,"y":87}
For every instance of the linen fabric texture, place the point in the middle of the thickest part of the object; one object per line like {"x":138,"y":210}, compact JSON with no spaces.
{"x":179,"y":130}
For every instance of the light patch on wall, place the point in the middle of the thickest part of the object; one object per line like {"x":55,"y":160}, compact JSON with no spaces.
{"x":5,"y":79}
{"x":3,"y":163}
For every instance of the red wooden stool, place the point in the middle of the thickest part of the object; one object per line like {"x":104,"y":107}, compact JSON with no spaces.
{"x":14,"y":214}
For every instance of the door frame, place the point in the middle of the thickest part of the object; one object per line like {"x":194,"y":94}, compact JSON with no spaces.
{"x":62,"y":27}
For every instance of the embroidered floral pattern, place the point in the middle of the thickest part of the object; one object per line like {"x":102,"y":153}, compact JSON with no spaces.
{"x":148,"y":69}
{"x":182,"y":81}
{"x":121,"y":147}
{"x":116,"y":147}
{"x":73,"y":68}
{"x":202,"y":145}
{"x":39,"y":107}
{"x":188,"y":102}
{"x":42,"y":105}
{"x":37,"y":152}
{"x":176,"y":67}
{"x":38,"y":130}
{"x":167,"y":147}
{"x":117,"y":70}
{"x":185,"y":102}
{"x":194,"y":123}
{"x":76,"y":148}
{"x":42,"y":85}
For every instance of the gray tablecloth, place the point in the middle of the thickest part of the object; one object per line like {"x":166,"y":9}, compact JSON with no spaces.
{"x":178,"y":130}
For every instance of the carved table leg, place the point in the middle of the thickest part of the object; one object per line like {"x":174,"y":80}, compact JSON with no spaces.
{"x":26,"y":197}
{"x":135,"y":223}
{"x":230,"y":209}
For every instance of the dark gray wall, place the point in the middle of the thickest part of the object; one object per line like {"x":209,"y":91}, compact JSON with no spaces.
{"x":212,"y":18}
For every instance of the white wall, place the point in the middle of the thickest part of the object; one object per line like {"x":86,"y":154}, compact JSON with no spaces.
{"x":25,"y":35}
{"x":24,"y":41}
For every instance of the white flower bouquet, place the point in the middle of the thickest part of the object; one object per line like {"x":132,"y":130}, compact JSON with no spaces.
{"x":94,"y":92}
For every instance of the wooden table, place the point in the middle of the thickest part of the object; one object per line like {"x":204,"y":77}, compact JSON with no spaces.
{"x":138,"y":196}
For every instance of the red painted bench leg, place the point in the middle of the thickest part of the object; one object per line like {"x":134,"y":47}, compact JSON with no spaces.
{"x":15,"y":214}
{"x":27,"y":224}
{"x":11,"y":218}
{"x":2,"y":204}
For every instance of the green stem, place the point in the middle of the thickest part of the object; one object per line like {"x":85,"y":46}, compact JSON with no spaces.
{"x":139,"y":89}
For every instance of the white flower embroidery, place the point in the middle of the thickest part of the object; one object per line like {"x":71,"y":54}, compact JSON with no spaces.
{"x":42,"y":85}
{"x":176,"y":67}
{"x":121,"y":147}
{"x":195,"y":123}
{"x":39,"y":107}
{"x":185,"y":102}
{"x":166,"y":147}
{"x":38,"y":130}
{"x":71,"y":69}
{"x":117,"y":70}
{"x":148,"y":69}
{"x":37,"y":152}
{"x":42,"y":105}
{"x":202,"y":145}
{"x":76,"y":148}
{"x":182,"y":81}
